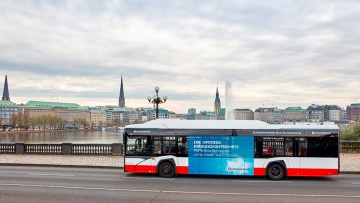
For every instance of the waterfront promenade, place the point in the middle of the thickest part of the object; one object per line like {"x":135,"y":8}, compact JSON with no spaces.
{"x":349,"y":162}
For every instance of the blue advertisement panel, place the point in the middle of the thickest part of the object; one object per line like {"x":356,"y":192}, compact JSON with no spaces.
{"x":227,"y":155}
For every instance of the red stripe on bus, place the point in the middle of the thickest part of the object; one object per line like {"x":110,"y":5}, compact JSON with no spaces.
{"x":311,"y":172}
{"x":308,"y":172}
{"x":140,"y":168}
{"x":259,"y":171}
{"x":182,"y":170}
{"x":301,"y":172}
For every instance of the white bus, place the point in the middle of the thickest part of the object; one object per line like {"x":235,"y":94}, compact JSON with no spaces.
{"x":231,"y":147}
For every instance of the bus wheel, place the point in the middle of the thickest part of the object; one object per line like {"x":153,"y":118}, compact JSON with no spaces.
{"x":276,"y":172}
{"x":166,"y":170}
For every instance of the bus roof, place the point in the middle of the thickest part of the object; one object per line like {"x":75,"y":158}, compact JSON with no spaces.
{"x":224,"y":124}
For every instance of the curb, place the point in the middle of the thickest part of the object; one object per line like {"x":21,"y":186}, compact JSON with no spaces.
{"x":349,"y":172}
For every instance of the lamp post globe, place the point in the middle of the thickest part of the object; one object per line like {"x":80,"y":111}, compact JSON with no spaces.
{"x":157,"y":100}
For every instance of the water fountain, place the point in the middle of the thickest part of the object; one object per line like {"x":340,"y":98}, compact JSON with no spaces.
{"x":229,"y":106}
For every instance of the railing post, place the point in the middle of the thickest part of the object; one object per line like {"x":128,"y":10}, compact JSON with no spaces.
{"x":19,"y":148}
{"x":116,"y":149}
{"x":66,"y":149}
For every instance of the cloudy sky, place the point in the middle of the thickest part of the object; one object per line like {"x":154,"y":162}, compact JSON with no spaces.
{"x":273,"y":53}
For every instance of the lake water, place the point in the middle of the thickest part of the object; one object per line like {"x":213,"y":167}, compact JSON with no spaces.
{"x":76,"y":137}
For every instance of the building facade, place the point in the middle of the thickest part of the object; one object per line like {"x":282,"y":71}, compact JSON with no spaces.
{"x":66,"y":111}
{"x":294,"y":114}
{"x":264,"y":114}
{"x":353,"y":111}
{"x":332,"y":113}
{"x":7,"y":109}
{"x":243,"y":114}
{"x":191,"y":115}
{"x":315,"y":113}
{"x":97,"y":116}
{"x":163,"y":114}
{"x":116,"y":116}
{"x":206,"y":115}
{"x":278,"y":113}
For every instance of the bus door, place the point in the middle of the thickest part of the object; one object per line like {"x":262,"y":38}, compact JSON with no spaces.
{"x":293,"y":161}
{"x":143,"y":162}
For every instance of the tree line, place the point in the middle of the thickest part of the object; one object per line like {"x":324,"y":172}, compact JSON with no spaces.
{"x":351,"y":132}
{"x":46,"y":121}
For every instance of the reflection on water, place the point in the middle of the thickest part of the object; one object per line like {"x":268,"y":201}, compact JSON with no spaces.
{"x":78,"y":137}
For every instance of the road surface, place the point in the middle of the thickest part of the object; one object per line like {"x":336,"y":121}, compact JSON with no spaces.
{"x":46,"y":184}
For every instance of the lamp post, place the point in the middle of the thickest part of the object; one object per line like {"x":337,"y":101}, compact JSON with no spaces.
{"x":157,"y":100}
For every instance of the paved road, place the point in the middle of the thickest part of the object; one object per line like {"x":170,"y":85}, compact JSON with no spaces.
{"x":45,"y":184}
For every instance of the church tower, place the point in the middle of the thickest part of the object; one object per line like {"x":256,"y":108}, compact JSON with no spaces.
{"x":217,"y":104}
{"x":122,"y":97}
{"x":6,"y":91}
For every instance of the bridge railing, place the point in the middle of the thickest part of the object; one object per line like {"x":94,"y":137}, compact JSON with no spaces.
{"x":63,"y":149}
{"x":350,"y":146}
{"x":103,"y":149}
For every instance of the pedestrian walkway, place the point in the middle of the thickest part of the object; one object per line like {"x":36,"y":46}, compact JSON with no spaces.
{"x":63,"y":160}
{"x":348,"y":162}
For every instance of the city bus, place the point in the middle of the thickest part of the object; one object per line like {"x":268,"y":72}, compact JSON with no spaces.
{"x":170,"y":147}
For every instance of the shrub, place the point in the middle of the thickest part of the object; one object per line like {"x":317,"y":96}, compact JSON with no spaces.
{"x":351,"y":132}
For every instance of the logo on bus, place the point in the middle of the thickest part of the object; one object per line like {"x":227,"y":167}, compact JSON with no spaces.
{"x":229,"y":169}
{"x":141,"y":131}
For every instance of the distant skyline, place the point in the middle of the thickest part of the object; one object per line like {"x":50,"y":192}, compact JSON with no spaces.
{"x":275,"y":53}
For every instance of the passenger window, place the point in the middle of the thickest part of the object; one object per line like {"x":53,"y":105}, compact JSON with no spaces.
{"x":157,"y":145}
{"x":169,"y":145}
{"x":165,"y":145}
{"x":302,"y":147}
{"x":273,"y":146}
{"x":183,"y":146}
{"x":322,"y":147}
{"x":289,"y":146}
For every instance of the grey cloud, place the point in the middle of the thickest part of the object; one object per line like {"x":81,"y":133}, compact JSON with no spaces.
{"x":283,"y":49}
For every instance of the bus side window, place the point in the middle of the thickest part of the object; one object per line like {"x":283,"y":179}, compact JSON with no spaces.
{"x":157,"y":145}
{"x":302,"y":147}
{"x":258,"y":141}
{"x":289,"y":146}
{"x":273,"y":146}
{"x":182,"y":146}
{"x":169,"y":145}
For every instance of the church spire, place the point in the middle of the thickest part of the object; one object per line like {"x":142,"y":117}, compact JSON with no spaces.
{"x":6,"y":90}
{"x":217,"y":98}
{"x":217,"y":104}
{"x":121,"y":97}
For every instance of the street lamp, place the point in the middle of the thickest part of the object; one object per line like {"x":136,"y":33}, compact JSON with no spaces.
{"x":157,"y":100}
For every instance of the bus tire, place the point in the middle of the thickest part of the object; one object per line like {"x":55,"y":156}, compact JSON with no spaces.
{"x":276,"y":172}
{"x":166,"y":170}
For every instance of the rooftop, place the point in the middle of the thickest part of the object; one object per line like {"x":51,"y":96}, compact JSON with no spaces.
{"x":354,"y":106}
{"x":6,"y":102}
{"x":43,"y":104}
{"x":294,"y":109}
{"x":117,"y":109}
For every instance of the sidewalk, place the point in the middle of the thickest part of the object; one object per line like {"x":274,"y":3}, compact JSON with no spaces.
{"x":349,"y":162}
{"x":62,"y":160}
